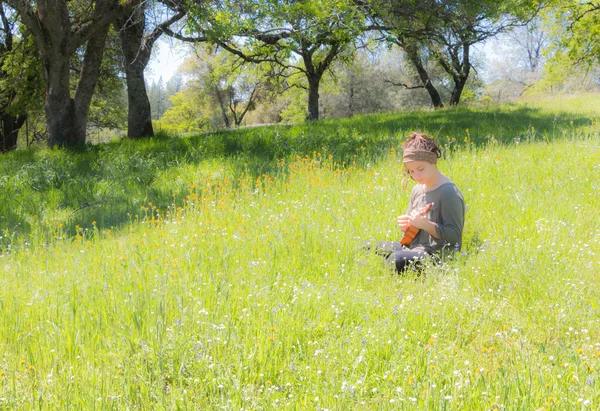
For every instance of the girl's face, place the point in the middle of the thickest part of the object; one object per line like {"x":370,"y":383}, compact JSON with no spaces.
{"x":421,"y":171}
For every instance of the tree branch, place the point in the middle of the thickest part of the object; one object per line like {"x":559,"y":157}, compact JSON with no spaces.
{"x":257,"y":59}
{"x":30,"y":19}
{"x":249,"y":104}
{"x":593,"y":8}
{"x":160,"y":29}
{"x":335,"y":50}
{"x":8,"y":38}
{"x":105,"y":12}
{"x":406,"y":86}
{"x":178,"y":36}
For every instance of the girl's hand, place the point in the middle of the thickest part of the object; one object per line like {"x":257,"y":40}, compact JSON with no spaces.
{"x":403,"y":222}
{"x":421,"y":222}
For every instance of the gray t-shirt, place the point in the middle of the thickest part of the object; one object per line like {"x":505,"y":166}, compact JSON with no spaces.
{"x":448,"y":212}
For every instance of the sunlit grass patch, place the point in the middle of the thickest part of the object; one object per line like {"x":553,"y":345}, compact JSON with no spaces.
{"x":46,"y":195}
{"x":251,"y":290}
{"x":587,"y":104}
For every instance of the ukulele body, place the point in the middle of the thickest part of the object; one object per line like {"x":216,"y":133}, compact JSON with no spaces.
{"x":412,"y":231}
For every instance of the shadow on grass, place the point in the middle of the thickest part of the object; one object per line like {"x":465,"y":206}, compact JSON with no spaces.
{"x":108,"y":184}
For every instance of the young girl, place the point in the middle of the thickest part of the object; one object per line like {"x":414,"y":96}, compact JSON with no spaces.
{"x":441,"y":227}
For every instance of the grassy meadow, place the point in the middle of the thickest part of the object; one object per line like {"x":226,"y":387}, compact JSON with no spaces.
{"x":225,"y":270}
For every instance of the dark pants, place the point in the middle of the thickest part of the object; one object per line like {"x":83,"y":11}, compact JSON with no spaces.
{"x":398,"y":255}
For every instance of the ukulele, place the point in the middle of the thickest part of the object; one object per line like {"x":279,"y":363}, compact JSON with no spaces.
{"x":411,"y":231}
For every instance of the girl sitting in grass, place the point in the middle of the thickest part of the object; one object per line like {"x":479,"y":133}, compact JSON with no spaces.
{"x":440,"y":227}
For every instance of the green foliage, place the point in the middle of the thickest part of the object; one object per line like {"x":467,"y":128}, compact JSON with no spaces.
{"x":160,"y":94}
{"x":575,"y":49}
{"x":468,"y":96}
{"x":159,"y":101}
{"x":339,"y":19}
{"x":227,"y":84}
{"x":446,"y":31}
{"x":556,"y":75}
{"x":293,"y":36}
{"x":188,"y":113}
{"x":295,"y":106}
{"x":473,"y":89}
{"x":21,"y":82}
{"x":582,"y":36}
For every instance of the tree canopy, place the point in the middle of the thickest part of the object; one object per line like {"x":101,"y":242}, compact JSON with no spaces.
{"x":295,"y":37}
{"x":85,"y":60}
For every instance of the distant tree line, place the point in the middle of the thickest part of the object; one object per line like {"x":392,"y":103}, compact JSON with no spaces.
{"x":86,"y":59}
{"x":159,"y":94}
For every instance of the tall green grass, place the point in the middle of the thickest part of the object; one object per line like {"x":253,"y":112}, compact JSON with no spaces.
{"x":51,"y":194}
{"x":252,"y":290}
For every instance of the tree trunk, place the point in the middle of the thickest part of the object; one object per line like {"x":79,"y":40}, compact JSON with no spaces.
{"x":90,"y":71}
{"x":57,"y":38}
{"x":9,"y":123}
{"x":10,"y":131}
{"x":313,"y":97}
{"x":63,"y":128}
{"x":459,"y":70}
{"x":459,"y":85}
{"x":137,"y":54}
{"x":249,"y":105}
{"x":413,"y":56}
{"x":351,"y":98}
{"x":139,"y":115}
{"x":221,"y":100}
{"x":67,"y":117}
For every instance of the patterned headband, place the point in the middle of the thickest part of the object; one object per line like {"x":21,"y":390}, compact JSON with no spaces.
{"x":419,"y":155}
